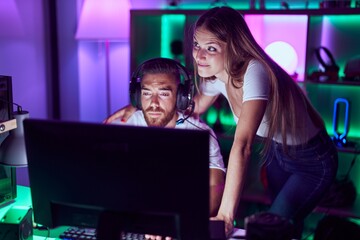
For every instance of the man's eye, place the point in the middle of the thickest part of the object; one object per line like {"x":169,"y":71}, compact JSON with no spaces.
{"x":146,"y":93}
{"x":165,"y":94}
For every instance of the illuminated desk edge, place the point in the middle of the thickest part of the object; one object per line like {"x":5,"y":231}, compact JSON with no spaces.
{"x":24,"y":199}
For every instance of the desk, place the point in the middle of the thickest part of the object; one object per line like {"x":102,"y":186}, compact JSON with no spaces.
{"x":24,"y":199}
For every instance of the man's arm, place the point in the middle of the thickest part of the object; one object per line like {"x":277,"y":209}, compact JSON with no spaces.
{"x":217,"y":182}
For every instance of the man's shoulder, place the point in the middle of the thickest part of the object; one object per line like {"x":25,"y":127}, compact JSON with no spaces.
{"x":196,"y":123}
{"x":137,"y":119}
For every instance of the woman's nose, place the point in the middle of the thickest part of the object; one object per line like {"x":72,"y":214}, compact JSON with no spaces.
{"x":201,"y":54}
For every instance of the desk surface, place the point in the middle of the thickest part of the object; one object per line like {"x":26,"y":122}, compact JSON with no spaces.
{"x":24,"y":199}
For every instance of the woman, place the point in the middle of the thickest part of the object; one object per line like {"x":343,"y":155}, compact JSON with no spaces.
{"x":300,"y":158}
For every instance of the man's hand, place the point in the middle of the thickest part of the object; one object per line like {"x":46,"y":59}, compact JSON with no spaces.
{"x":123,"y":114}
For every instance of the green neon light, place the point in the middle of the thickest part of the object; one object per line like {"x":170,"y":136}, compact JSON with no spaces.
{"x":323,"y":97}
{"x":226,"y":117}
{"x":172,"y":26}
{"x":211,"y":116}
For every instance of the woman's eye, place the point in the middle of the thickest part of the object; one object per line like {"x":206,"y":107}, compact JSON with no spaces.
{"x":195,"y":45}
{"x":212,"y":49}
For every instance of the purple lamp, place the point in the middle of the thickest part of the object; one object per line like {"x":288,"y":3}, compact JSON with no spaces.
{"x":105,"y":21}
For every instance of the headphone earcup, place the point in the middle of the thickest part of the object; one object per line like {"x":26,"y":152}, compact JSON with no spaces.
{"x":329,"y":67}
{"x":182,"y":100}
{"x":135,"y":94}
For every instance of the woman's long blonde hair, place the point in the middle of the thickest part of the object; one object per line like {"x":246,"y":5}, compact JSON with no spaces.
{"x":229,"y":27}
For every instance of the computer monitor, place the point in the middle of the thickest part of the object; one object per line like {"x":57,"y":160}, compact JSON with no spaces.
{"x":7,"y":174}
{"x":145,"y":175}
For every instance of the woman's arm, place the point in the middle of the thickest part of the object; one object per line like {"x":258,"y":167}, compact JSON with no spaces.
{"x":123,"y":114}
{"x":217,"y":182}
{"x":250,"y":118}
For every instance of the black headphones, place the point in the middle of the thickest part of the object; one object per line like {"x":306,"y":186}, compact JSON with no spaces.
{"x":185,"y":90}
{"x":332,"y":67}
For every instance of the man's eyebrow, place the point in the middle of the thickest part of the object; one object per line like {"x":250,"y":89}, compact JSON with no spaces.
{"x":167,"y":88}
{"x":163,"y":88}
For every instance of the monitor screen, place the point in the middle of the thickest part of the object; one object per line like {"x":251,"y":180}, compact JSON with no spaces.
{"x":6,"y":102}
{"x":79,"y":170}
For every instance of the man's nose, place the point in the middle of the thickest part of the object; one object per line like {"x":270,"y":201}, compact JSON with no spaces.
{"x":155,"y":100}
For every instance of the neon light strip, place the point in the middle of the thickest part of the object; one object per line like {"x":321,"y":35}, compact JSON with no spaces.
{"x":335,"y":119}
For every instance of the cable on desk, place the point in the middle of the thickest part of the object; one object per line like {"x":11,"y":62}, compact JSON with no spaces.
{"x":42,"y":228}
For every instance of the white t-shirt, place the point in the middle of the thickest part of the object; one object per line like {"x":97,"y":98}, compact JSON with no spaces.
{"x":215,"y":157}
{"x":256,"y":86}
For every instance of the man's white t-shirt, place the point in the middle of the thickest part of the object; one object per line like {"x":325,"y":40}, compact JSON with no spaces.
{"x":215,"y":157}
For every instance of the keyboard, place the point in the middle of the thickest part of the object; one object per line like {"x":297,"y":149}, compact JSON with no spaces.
{"x":76,"y":233}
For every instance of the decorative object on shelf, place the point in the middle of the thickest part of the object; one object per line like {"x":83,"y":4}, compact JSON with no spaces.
{"x":327,"y":61}
{"x":253,"y":4}
{"x":105,"y":21}
{"x":285,"y":5}
{"x":352,"y":69}
{"x":173,"y":3}
{"x":12,"y":150}
{"x":285,"y":55}
{"x":340,"y":138}
{"x":335,"y":4}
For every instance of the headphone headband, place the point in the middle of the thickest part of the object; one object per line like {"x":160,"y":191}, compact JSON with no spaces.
{"x":332,"y":67}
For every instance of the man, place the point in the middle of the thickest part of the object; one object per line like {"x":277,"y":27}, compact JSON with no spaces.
{"x":160,"y":98}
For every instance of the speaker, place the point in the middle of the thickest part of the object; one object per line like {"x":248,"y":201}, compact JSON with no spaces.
{"x":185,"y":89}
{"x":17,"y":224}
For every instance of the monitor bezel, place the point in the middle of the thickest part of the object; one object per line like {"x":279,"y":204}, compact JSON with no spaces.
{"x":183,"y":182}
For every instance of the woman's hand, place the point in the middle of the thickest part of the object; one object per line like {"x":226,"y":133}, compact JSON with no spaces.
{"x":153,"y":237}
{"x":123,"y":114}
{"x":229,"y":224}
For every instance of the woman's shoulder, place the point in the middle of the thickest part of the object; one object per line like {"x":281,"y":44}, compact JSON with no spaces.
{"x":254,"y":63}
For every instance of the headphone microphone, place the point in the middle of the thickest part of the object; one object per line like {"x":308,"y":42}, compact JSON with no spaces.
{"x":182,"y":120}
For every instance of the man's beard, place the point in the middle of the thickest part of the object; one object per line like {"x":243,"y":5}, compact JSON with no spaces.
{"x":158,"y":122}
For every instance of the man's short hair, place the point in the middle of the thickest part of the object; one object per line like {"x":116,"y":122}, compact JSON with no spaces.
{"x":160,"y":66}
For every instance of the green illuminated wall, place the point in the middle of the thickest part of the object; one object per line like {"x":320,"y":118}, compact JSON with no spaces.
{"x":323,"y":96}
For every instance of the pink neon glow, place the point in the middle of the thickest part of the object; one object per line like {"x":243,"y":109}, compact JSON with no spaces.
{"x":291,"y":29}
{"x":284,"y":54}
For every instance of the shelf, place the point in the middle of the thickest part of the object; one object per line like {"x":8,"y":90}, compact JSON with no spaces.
{"x":315,"y":12}
{"x":339,"y":82}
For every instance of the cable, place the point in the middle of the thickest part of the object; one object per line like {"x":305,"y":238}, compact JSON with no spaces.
{"x":192,"y":108}
{"x":42,"y":228}
{"x":19,"y":108}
